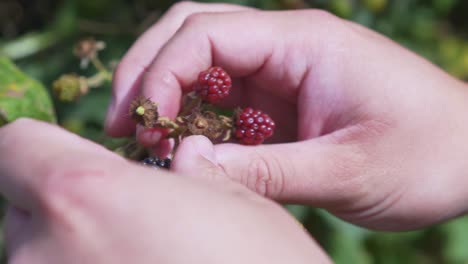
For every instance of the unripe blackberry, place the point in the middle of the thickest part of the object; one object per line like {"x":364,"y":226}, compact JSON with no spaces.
{"x":252,"y":127}
{"x":213,"y":84}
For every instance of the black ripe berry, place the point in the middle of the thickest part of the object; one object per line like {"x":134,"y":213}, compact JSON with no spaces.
{"x":157,"y":162}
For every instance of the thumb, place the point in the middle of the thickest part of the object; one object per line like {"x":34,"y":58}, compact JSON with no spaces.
{"x":313,"y":172}
{"x":196,"y":157}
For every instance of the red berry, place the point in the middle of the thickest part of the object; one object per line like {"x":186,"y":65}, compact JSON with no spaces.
{"x":252,"y":127}
{"x":213,"y":84}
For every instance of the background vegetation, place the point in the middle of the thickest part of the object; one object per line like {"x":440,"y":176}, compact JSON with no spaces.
{"x":39,"y":35}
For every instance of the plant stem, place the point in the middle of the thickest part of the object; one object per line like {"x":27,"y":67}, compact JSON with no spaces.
{"x":101,"y":68}
{"x":97,"y":80}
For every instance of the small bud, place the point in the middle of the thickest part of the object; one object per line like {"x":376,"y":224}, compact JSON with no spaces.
{"x":144,"y":112}
{"x":87,"y":49}
{"x":70,"y":87}
{"x":140,"y":110}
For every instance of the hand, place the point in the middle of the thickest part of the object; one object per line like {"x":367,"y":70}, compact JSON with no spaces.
{"x":365,"y":128}
{"x":72,"y":201}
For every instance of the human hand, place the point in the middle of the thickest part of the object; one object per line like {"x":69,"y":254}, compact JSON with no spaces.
{"x":365,"y":128}
{"x":72,"y":201}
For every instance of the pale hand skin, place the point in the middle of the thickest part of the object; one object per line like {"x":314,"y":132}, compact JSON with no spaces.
{"x":72,"y":201}
{"x":365,"y":128}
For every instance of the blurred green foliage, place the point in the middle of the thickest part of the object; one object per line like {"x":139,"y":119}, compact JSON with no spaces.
{"x":39,"y":36}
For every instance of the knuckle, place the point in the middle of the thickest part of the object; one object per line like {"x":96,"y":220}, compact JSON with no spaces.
{"x":321,"y":14}
{"x":10,"y":134}
{"x":17,"y":125}
{"x":183,"y":7}
{"x":165,"y":77}
{"x":68,"y":188}
{"x":194,"y":19}
{"x":327,"y":23}
{"x":264,"y":175}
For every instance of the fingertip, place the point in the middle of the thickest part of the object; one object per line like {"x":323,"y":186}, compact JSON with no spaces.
{"x":163,"y":88}
{"x":150,"y":137}
{"x":195,"y":155}
{"x":163,"y":148}
{"x":118,"y":124}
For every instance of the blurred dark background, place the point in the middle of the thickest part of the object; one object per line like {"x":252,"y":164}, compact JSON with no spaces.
{"x":39,"y":36}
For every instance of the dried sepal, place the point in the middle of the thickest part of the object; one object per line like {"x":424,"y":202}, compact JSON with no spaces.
{"x":144,"y":112}
{"x":227,"y":121}
{"x":227,"y":135}
{"x":166,"y":122}
{"x":204,"y":123}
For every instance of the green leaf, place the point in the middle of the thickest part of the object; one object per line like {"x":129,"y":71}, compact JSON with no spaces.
{"x":21,"y":96}
{"x":454,"y":248}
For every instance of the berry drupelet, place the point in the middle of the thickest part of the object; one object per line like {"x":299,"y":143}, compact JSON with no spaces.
{"x":252,"y":127}
{"x":213,"y":84}
{"x":157,"y":162}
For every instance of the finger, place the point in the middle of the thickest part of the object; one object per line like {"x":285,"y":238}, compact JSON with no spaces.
{"x":196,"y":157}
{"x":260,"y":57}
{"x":127,"y":77}
{"x":33,"y":152}
{"x":311,"y":172}
{"x":17,"y":229}
{"x":308,"y":172}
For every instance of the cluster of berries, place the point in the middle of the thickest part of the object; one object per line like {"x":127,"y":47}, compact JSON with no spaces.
{"x":251,"y":126}
{"x":247,"y":126}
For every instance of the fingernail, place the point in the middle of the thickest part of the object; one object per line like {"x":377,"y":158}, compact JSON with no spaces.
{"x":205,"y":148}
{"x":149,"y":137}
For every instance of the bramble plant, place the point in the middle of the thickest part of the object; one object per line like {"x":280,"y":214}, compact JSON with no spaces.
{"x":200,"y":116}
{"x":199,"y":113}
{"x":37,"y":35}
{"x":71,"y":86}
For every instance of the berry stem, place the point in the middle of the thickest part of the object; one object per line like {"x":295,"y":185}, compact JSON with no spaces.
{"x":166,"y":122}
{"x":97,"y":80}
{"x":101,"y":68}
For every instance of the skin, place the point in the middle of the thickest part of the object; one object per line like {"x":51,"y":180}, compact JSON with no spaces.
{"x":366,"y":129}
{"x":110,"y":210}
